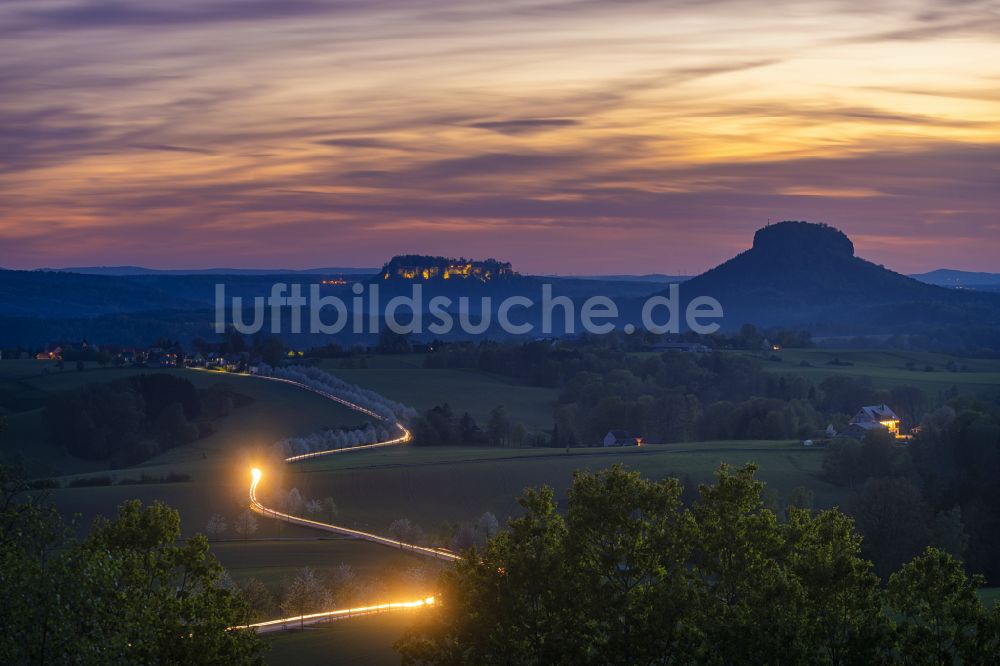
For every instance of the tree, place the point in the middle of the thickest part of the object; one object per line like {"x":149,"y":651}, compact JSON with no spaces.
{"x":291,"y":502}
{"x":216,"y":526}
{"x":465,"y":537}
{"x":405,"y":531}
{"x":518,"y":434}
{"x":344,"y":585}
{"x":390,"y":342}
{"x":893,"y":519}
{"x":258,"y":598}
{"x":878,"y":453}
{"x":233,"y":342}
{"x":842,"y":602}
{"x":842,"y":462}
{"x":948,"y":532}
{"x":801,"y":497}
{"x":306,"y":594}
{"x":486,"y":527}
{"x":753,"y":603}
{"x":910,"y":403}
{"x":628,"y":540}
{"x":468,"y":431}
{"x":942,"y":620}
{"x":128,"y":593}
{"x":330,"y":508}
{"x":172,"y":427}
{"x":313,"y":507}
{"x":270,"y":348}
{"x":507,"y":600}
{"x":498,"y":426}
{"x":246,"y":524}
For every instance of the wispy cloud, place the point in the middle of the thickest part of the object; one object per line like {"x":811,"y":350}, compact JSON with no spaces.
{"x":525,"y":125}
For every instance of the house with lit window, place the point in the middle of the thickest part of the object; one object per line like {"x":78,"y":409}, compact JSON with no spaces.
{"x":872,"y":417}
{"x":51,"y":353}
{"x":621,"y":438}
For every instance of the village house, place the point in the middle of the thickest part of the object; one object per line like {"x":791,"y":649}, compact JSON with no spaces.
{"x":872,"y":417}
{"x":52,"y":353}
{"x":621,"y":438}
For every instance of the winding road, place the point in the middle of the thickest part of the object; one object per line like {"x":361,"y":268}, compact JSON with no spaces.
{"x":403,"y":437}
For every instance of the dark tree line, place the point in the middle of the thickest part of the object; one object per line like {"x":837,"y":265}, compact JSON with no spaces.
{"x":676,"y":397}
{"x":956,"y":457}
{"x":130,"y":420}
{"x":439,"y":426}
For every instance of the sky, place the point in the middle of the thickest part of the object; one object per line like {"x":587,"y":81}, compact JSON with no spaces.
{"x":565,"y":136}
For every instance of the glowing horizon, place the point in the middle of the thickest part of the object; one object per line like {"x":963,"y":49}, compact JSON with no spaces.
{"x":564,"y":136}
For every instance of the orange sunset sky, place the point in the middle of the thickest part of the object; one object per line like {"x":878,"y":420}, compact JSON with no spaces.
{"x":566,"y":136}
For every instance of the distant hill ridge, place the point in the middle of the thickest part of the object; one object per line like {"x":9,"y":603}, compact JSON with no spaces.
{"x":947,"y":277}
{"x":139,"y":270}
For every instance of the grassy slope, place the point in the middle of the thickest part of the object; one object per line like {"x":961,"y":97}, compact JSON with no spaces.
{"x":465,"y":390}
{"x":277,"y":411}
{"x":217,"y":464}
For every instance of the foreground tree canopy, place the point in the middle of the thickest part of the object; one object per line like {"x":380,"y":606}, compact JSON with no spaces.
{"x":629,"y":575}
{"x":127,"y":594}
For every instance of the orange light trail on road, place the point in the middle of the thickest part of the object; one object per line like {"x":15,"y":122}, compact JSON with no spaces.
{"x":343,"y":613}
{"x":257,"y":507}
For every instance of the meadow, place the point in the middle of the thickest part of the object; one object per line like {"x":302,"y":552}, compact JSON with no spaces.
{"x":435,"y":486}
{"x":365,"y":640}
{"x":465,"y":390}
{"x":887,"y":369}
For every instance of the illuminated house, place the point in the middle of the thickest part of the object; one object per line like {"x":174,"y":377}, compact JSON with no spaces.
{"x":51,"y":354}
{"x":872,"y":417}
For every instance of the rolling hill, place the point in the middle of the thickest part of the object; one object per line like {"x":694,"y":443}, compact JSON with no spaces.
{"x":804,"y":274}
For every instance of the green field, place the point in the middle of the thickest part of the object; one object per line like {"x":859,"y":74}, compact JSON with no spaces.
{"x":436,"y":485}
{"x":365,"y":640}
{"x":465,"y":390}
{"x":890,"y":368}
{"x":275,"y":562}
